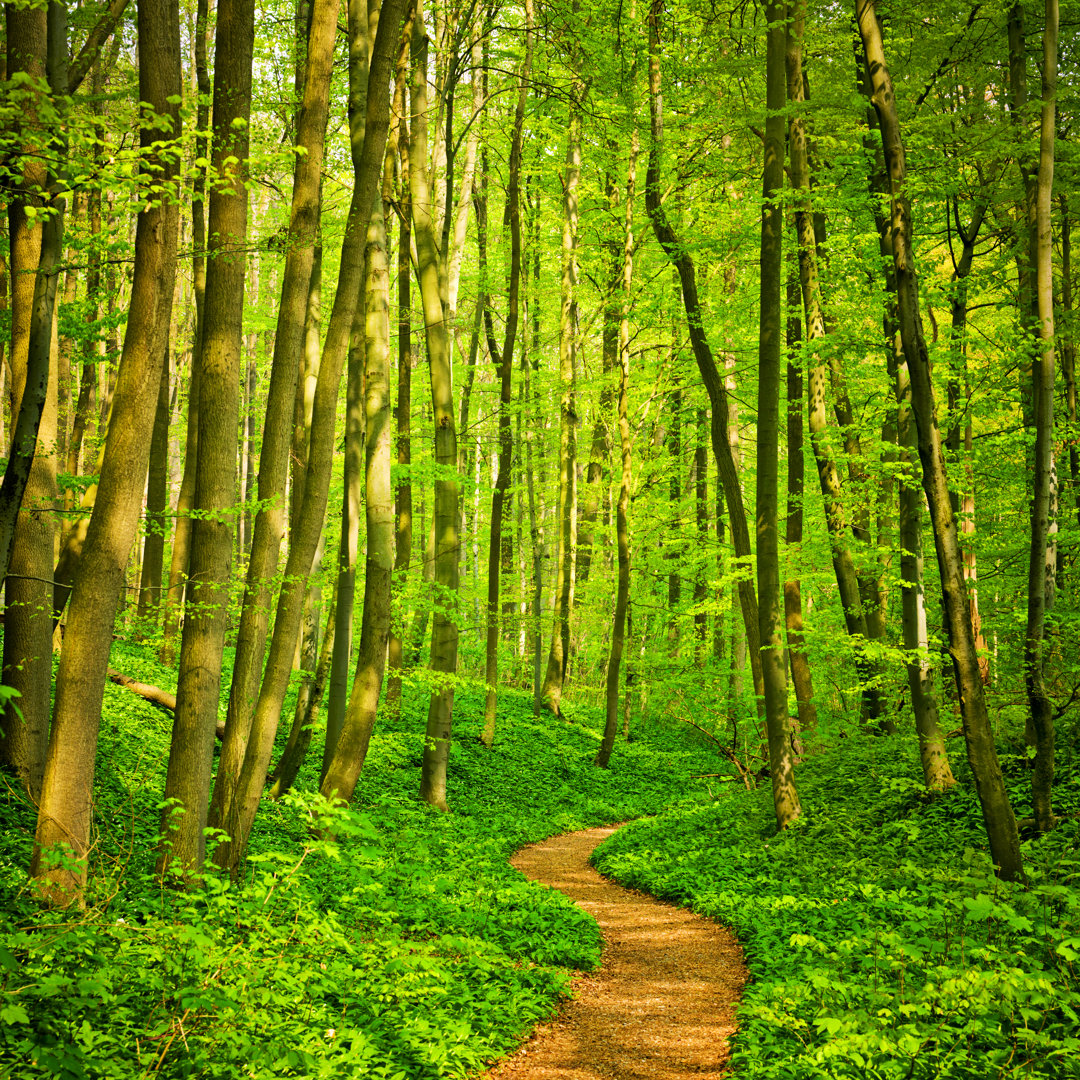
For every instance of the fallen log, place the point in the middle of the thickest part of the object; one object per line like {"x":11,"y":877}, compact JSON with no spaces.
{"x":154,"y":694}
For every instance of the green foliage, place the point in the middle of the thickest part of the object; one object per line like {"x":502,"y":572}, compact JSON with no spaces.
{"x":390,"y":941}
{"x":880,"y":942}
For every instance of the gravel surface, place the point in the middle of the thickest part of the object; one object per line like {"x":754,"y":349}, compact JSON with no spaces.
{"x":662,"y":1004}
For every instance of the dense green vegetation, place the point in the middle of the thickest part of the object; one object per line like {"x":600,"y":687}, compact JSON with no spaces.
{"x":879,"y":941}
{"x":407,"y":948}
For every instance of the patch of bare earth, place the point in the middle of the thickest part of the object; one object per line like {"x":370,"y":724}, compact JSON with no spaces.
{"x":662,"y":1004}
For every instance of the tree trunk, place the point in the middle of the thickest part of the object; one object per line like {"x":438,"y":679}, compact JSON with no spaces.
{"x":770,"y":619}
{"x":198,"y":685}
{"x":847,"y":578}
{"x":1041,"y":710}
{"x":504,"y":364}
{"x":793,"y":535}
{"x":559,"y":653}
{"x":27,"y":644}
{"x":982,"y":754}
{"x":444,"y":636}
{"x":351,"y":747}
{"x":271,"y":517}
{"x":157,"y":495}
{"x":714,"y":386}
{"x":403,"y":531}
{"x":67,"y":790}
{"x":367,"y":165}
{"x":185,"y":500}
{"x":619,"y":625}
{"x":305,"y":715}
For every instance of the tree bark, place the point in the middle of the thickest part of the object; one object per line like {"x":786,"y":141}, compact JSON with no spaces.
{"x":770,"y":621}
{"x":403,"y":531}
{"x":350,"y":750}
{"x":1042,"y":714}
{"x":818,"y":382}
{"x":504,"y":365}
{"x":157,"y":495}
{"x":710,"y":376}
{"x":444,"y":635}
{"x":269,"y":527}
{"x":979,"y":737}
{"x":237,"y":819}
{"x":619,"y":625}
{"x":307,"y":710}
{"x":185,"y":500}
{"x":67,"y":790}
{"x":801,"y":680}
{"x":198,"y":688}
{"x":559,"y":653}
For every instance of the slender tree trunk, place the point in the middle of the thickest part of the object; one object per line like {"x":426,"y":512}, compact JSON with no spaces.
{"x":27,"y":665}
{"x":847,"y":578}
{"x":367,"y":165}
{"x":982,"y":754}
{"x":793,"y":536}
{"x":198,"y":687}
{"x":770,"y":619}
{"x":444,"y":637}
{"x":270,"y":520}
{"x":157,"y":496}
{"x":701,"y":504}
{"x":403,"y":531}
{"x":351,"y":747}
{"x":710,"y":375}
{"x":1068,"y":347}
{"x":305,"y":715}
{"x":67,"y":789}
{"x":353,"y":468}
{"x":531,"y":349}
{"x":620,"y":624}
{"x":933,"y":756}
{"x":185,"y":500}
{"x":33,"y":248}
{"x":1042,"y":715}
{"x":559,"y":653}
{"x":937,"y":773}
{"x":504,"y":363}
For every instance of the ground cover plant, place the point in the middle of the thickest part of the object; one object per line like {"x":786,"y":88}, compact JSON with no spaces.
{"x":879,"y":940}
{"x":404,"y":948}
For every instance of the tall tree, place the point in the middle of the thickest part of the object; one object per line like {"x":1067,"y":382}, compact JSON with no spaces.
{"x":770,"y":621}
{"x":198,"y":688}
{"x":982,"y":753}
{"x":710,"y":375}
{"x":270,"y":519}
{"x":559,"y":653}
{"x":27,"y":643}
{"x":444,"y":635}
{"x":622,"y":530}
{"x":367,"y":168}
{"x":1042,"y":715}
{"x":67,"y":790}
{"x":504,"y":364}
{"x":350,"y":750}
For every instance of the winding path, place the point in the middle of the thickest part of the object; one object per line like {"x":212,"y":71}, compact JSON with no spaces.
{"x":662,"y":1005}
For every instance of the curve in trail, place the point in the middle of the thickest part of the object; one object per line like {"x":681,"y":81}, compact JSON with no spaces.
{"x":662,"y":1005}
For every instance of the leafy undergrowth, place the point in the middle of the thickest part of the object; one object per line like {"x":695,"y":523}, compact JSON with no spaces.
{"x":406,"y":950}
{"x":879,"y":941}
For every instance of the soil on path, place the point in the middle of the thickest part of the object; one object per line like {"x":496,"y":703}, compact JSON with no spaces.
{"x":662,"y":1004}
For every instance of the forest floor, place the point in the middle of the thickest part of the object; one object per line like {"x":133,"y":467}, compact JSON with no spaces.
{"x":663,"y":1001}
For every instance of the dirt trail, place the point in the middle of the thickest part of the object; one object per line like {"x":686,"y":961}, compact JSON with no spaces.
{"x":662,"y":1004}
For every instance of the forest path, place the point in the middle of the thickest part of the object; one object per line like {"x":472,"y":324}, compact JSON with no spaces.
{"x":662,"y":1004}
